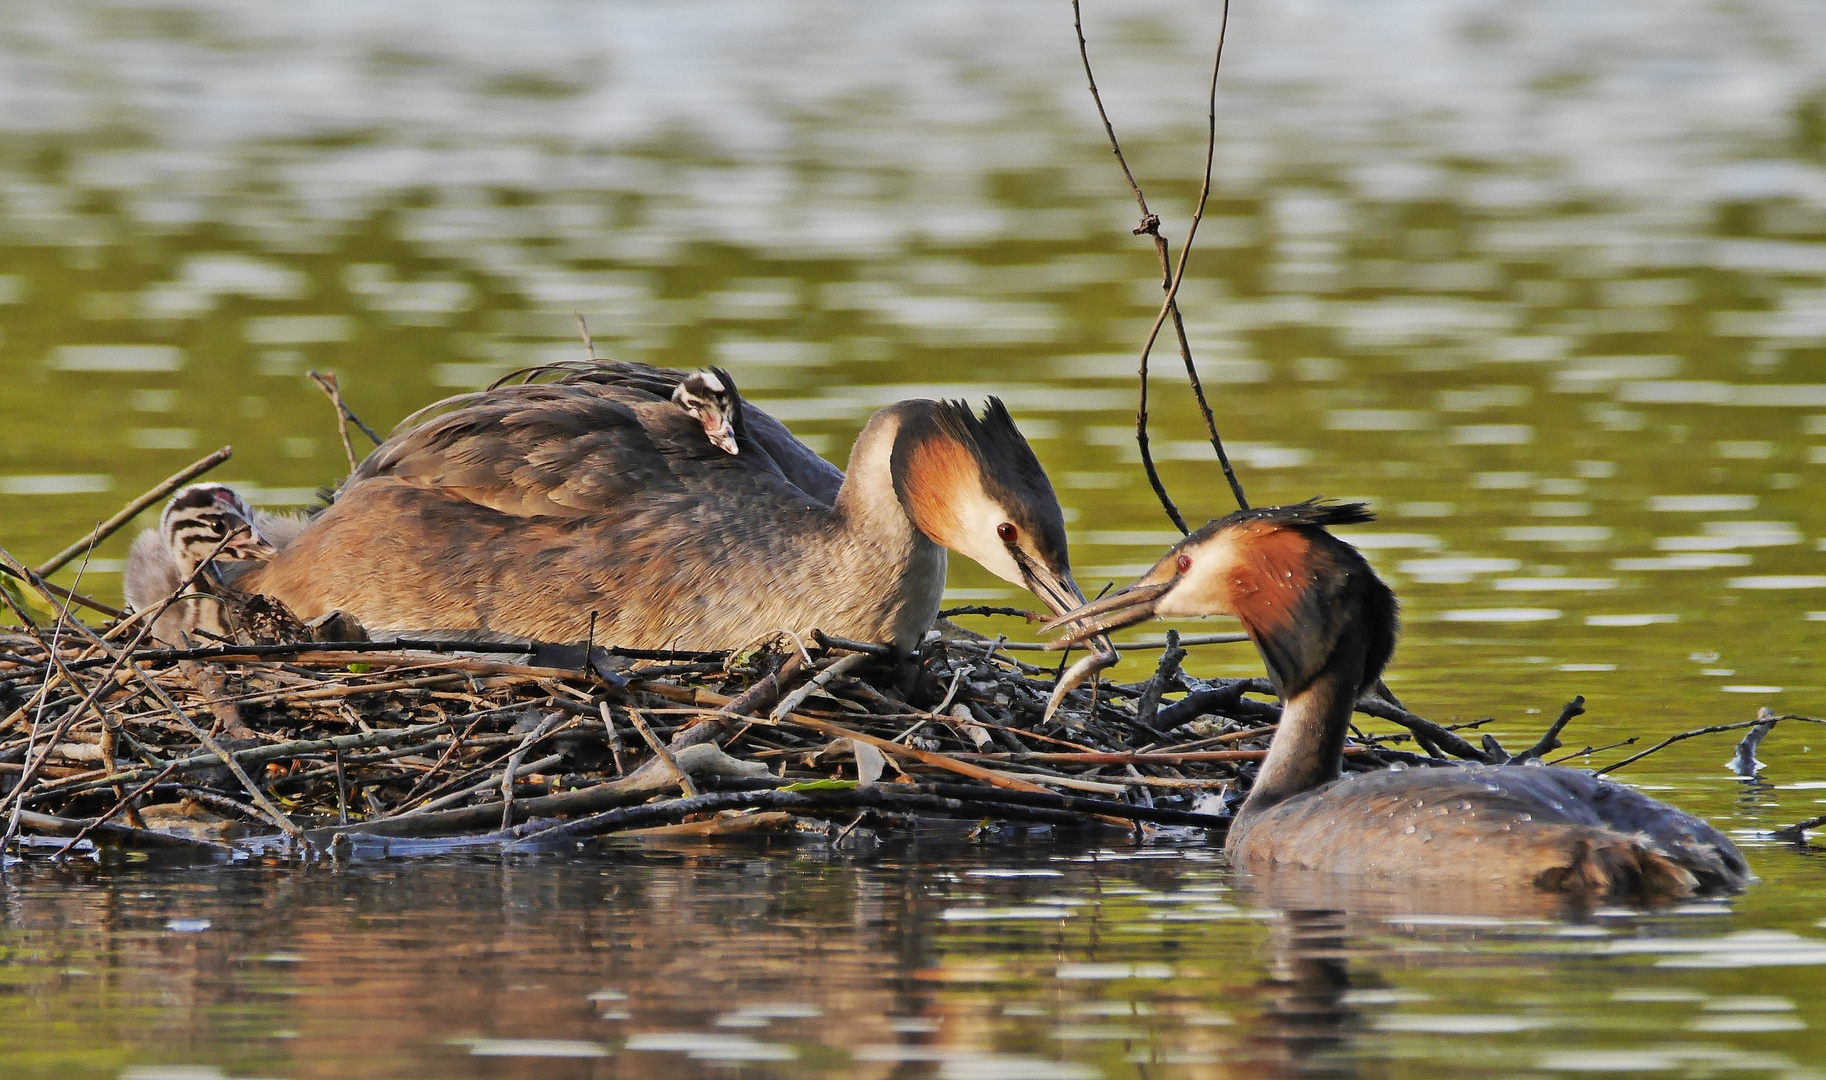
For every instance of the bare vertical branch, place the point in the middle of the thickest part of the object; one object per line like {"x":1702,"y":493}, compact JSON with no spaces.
{"x":1150,"y":225}
{"x":1170,"y":305}
{"x":326,"y":381}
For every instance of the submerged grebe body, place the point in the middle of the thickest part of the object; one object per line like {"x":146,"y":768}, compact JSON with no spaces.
{"x":1325,"y":625}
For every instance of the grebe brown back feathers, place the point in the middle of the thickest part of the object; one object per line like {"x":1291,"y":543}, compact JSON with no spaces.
{"x":1325,"y":625}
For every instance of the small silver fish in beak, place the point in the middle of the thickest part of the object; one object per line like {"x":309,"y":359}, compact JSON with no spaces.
{"x":1094,"y":620}
{"x":1063,"y":596}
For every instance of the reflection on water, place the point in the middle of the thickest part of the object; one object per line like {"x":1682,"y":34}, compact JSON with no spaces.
{"x":1547,"y":285}
{"x":748,"y":961}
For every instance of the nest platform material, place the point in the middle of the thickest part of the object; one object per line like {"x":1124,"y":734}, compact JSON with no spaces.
{"x":314,"y":747}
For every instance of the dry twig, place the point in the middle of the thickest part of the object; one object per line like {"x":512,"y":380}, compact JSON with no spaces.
{"x":1171,"y":275}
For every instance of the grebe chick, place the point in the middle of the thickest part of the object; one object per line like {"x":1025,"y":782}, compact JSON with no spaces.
{"x":1325,"y":626}
{"x":529,"y":508}
{"x":709,"y":395}
{"x":192,"y":526}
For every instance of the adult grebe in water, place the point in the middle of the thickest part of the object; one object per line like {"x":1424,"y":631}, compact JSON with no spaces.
{"x":1325,"y":625}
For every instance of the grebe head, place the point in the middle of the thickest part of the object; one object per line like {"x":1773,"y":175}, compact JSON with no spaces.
{"x":1297,"y":589}
{"x":972,"y":484}
{"x":709,"y":394}
{"x":197,"y":519}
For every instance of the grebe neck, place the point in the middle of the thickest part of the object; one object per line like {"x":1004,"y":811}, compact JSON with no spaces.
{"x":1308,"y":748}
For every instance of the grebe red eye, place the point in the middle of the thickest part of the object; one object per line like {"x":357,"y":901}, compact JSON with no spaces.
{"x":1007,"y":532}
{"x":1185,"y":563}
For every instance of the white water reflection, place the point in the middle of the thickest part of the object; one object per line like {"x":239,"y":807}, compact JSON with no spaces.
{"x":705,"y":1046}
{"x":1744,"y":948}
{"x":1631,"y":620}
{"x":533,"y":1048}
{"x":1780,"y":581}
{"x":71,"y":484}
{"x":1500,"y":615}
{"x":134,"y":358}
{"x":1554,"y":584}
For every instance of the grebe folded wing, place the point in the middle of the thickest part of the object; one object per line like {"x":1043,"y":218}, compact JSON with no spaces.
{"x":544,"y":450}
{"x":540,"y":510}
{"x":807,"y":470}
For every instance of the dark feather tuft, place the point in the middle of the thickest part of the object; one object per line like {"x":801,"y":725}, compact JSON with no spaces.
{"x":1315,"y":511}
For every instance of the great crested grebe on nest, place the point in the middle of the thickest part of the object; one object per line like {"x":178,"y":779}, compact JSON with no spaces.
{"x":528,"y":507}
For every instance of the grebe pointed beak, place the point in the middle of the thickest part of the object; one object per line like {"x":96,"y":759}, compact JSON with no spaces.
{"x":721,"y":433}
{"x":245,"y":541}
{"x":1125,"y":607}
{"x":1063,"y":596}
{"x":249,"y":544}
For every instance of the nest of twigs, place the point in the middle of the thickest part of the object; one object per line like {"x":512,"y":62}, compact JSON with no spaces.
{"x":314,"y":747}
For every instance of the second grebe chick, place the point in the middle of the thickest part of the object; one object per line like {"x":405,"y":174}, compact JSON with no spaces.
{"x":1325,"y":626}
{"x":709,"y":395}
{"x":192,"y":528}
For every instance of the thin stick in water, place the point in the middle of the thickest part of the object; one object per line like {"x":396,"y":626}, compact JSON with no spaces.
{"x":123,"y":803}
{"x":1550,"y":740}
{"x":513,"y":764}
{"x":608,"y":722}
{"x":1713,"y":730}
